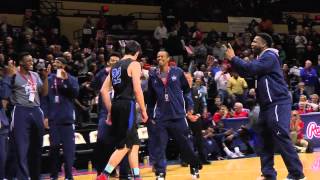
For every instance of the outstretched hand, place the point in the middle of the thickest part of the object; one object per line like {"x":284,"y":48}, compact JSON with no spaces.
{"x":229,"y":54}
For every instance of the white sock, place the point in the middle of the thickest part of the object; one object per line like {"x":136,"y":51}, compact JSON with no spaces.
{"x":230,"y":153}
{"x":238,"y":152}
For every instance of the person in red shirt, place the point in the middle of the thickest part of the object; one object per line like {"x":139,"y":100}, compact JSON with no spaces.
{"x":304,"y":108}
{"x":239,"y":111}
{"x":296,"y":133}
{"x":221,"y":114}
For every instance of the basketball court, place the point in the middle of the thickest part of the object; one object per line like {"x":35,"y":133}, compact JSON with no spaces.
{"x":240,"y":169}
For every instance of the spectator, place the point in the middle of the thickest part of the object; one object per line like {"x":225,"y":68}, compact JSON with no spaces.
{"x":222,"y":78}
{"x":314,"y":102}
{"x":218,"y":51}
{"x":309,"y":76}
{"x":199,"y":73}
{"x":285,"y":69}
{"x":160,"y":33}
{"x":300,"y":90}
{"x":5,"y":93}
{"x":296,"y":133}
{"x":5,"y":28}
{"x":282,"y":53}
{"x":311,"y":53}
{"x":236,"y":87}
{"x":200,"y":53}
{"x":213,"y":65}
{"x":221,"y":114}
{"x":199,"y":93}
{"x":301,"y":42}
{"x":317,"y":67}
{"x":239,"y":111}
{"x":303,"y":106}
{"x":175,"y":48}
{"x":251,"y":98}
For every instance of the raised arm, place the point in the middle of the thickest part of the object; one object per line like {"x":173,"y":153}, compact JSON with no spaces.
{"x":105,"y":89}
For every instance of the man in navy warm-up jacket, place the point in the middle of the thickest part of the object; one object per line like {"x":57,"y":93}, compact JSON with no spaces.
{"x":59,"y":110}
{"x":275,"y":103}
{"x":5,"y":93}
{"x":167,"y":91}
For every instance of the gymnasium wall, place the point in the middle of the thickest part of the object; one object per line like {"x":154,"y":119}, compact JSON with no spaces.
{"x":71,"y":24}
{"x":114,"y":9}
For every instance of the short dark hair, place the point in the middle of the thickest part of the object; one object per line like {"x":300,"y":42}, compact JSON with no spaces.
{"x":62,"y":60}
{"x":167,"y":53}
{"x":22,"y":55}
{"x":114,"y":53}
{"x":267,"y":38}
{"x":132,"y":47}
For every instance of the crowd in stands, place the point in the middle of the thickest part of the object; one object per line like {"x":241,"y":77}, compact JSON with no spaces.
{"x":218,"y":92}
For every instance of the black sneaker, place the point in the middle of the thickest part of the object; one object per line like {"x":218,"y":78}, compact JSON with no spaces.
{"x":161,"y":176}
{"x":184,"y":164}
{"x":194,"y":173}
{"x":205,"y":162}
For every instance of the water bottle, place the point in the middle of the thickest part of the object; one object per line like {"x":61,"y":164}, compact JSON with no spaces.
{"x":90,"y":166}
{"x":146,"y":161}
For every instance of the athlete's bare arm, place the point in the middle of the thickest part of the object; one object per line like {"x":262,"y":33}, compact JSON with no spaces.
{"x":134,"y":70}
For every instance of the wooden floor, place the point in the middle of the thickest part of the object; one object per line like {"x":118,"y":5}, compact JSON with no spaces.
{"x":240,"y":169}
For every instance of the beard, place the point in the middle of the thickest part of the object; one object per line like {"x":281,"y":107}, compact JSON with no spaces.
{"x":256,"y":51}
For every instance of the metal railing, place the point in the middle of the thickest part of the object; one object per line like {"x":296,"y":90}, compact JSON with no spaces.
{"x":146,"y":15}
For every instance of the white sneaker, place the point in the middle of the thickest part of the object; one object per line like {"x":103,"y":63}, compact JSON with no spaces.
{"x":232,"y":155}
{"x":161,"y":176}
{"x":238,"y":152}
{"x":229,"y":153}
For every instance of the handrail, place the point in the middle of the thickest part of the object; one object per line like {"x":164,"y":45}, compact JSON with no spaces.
{"x":144,"y":15}
{"x":147,"y":2}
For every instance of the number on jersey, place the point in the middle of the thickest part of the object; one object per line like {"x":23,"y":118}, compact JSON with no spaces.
{"x":116,"y":76}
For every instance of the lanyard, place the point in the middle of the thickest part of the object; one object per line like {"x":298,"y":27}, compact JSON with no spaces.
{"x":29,"y":81}
{"x":55,"y":85}
{"x":166,"y":83}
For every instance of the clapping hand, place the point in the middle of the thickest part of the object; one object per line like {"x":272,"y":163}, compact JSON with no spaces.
{"x":46,"y":71}
{"x":11,"y":69}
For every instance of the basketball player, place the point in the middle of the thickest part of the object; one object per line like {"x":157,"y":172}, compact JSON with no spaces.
{"x":125,"y":80}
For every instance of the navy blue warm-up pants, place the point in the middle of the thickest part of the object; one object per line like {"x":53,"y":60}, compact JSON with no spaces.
{"x":274,"y":128}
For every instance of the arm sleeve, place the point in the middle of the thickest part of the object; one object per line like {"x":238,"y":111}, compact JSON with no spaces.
{"x":151,"y":101}
{"x":259,"y":66}
{"x":245,"y":85}
{"x":7,"y":87}
{"x":186,"y":92}
{"x":45,"y":105}
{"x":303,"y":74}
{"x":203,"y":101}
{"x":69,"y":87}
